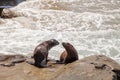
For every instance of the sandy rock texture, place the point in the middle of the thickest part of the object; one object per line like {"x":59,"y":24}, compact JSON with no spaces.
{"x":96,"y":67}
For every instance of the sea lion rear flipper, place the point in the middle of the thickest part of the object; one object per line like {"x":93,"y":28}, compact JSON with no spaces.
{"x":59,"y":62}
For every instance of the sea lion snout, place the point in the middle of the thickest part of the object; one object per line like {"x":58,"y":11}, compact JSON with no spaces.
{"x":64,"y":43}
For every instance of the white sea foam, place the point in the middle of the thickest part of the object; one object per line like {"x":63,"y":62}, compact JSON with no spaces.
{"x":92,"y":26}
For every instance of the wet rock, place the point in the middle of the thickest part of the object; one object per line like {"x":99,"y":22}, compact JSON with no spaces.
{"x":7,"y":64}
{"x":97,"y":67}
{"x":8,"y":13}
{"x":8,"y":4}
{"x":10,"y":60}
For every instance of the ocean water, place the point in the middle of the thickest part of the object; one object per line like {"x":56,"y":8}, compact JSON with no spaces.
{"x":92,"y":26}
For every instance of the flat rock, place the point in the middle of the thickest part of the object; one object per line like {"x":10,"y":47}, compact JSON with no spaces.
{"x":25,"y":71}
{"x":11,"y":60}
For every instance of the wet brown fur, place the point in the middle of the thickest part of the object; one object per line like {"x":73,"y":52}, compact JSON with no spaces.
{"x":41,"y":52}
{"x":69,"y":55}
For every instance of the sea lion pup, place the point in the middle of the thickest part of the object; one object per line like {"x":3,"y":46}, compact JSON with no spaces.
{"x":69,"y":55}
{"x":41,"y":52}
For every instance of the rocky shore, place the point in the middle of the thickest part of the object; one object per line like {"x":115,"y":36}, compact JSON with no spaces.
{"x":95,"y":67}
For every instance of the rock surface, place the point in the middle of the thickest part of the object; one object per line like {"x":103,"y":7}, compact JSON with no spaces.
{"x":10,"y":60}
{"x":97,"y":67}
{"x":7,"y":13}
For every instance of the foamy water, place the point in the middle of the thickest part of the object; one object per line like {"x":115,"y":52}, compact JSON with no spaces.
{"x":92,"y":26}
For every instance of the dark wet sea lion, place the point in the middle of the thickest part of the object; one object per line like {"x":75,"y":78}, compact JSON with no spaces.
{"x":41,"y":52}
{"x":69,"y":55}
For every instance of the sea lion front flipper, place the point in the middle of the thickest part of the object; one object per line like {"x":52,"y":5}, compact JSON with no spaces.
{"x":43,"y":63}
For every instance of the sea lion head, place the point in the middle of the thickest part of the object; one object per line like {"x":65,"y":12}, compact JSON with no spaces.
{"x":52,"y":42}
{"x":67,"y":45}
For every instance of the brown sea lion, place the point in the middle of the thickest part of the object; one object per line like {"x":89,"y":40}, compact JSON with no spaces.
{"x":69,"y":55}
{"x":41,"y":52}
